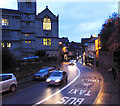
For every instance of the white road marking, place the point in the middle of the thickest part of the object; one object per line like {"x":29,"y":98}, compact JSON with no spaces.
{"x":71,"y":100}
{"x":58,"y":91}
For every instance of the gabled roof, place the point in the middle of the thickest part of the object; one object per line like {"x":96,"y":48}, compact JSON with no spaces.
{"x":46,"y":12}
{"x":92,"y":40}
{"x":64,"y":40}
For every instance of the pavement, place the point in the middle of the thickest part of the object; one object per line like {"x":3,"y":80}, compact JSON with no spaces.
{"x":109,"y":93}
{"x":24,"y":80}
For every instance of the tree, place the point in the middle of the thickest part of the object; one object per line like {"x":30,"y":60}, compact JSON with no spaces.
{"x":40,"y":53}
{"x":107,"y":29}
{"x":8,"y":59}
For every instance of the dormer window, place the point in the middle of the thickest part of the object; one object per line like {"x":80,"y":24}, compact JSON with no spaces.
{"x":46,"y":23}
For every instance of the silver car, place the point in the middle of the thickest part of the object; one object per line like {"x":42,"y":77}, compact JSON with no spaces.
{"x":57,"y":77}
{"x":8,"y":82}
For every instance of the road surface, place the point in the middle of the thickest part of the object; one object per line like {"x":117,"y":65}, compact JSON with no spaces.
{"x":83,"y":87}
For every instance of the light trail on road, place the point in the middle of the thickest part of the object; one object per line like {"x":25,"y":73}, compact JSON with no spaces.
{"x":58,"y":90}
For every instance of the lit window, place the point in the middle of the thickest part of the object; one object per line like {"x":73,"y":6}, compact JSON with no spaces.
{"x":5,"y":22}
{"x":27,"y":34}
{"x":8,"y":44}
{"x":46,"y":41}
{"x":2,"y":45}
{"x":27,"y":41}
{"x":46,"y":23}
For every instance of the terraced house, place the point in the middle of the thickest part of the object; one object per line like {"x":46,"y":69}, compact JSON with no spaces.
{"x":24,"y":32}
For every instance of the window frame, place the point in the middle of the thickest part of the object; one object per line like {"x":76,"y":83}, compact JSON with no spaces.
{"x":9,"y":45}
{"x":47,"y":23}
{"x":2,"y":44}
{"x":47,"y":41}
{"x":5,"y":22}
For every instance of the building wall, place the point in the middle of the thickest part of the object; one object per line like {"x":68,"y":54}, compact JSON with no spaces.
{"x":25,"y":21}
{"x":27,"y":7}
{"x":27,"y":18}
{"x":39,"y":44}
{"x":106,"y":59}
{"x":91,"y":50}
{"x":39,"y":24}
{"x":11,"y":32}
{"x":51,"y":34}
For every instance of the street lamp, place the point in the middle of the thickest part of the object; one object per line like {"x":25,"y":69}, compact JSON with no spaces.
{"x":60,"y":43}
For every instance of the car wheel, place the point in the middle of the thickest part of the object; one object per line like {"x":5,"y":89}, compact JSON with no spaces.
{"x":12,"y":88}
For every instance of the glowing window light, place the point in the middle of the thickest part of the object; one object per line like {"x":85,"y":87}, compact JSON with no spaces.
{"x":2,"y":45}
{"x":9,"y":45}
{"x":5,"y":22}
{"x":46,"y":23}
{"x":27,"y":35}
{"x":27,"y":41}
{"x":47,"y":41}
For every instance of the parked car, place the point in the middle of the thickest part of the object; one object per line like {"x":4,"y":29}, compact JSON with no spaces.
{"x":57,"y":77}
{"x":8,"y":82}
{"x":72,"y":62}
{"x":43,"y":73}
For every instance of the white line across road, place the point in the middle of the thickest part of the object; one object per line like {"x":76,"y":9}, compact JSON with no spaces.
{"x":58,"y":90}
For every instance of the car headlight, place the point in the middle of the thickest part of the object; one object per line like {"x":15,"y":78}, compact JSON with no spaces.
{"x":48,"y":80}
{"x":58,"y":80}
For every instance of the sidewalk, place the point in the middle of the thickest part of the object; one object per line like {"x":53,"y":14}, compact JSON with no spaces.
{"x":109,"y":92}
{"x":24,"y":80}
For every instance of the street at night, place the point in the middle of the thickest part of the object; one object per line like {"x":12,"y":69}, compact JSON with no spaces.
{"x":83,"y":87}
{"x":59,"y":52}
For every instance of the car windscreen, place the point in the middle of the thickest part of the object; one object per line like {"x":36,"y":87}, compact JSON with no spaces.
{"x":42,"y":71}
{"x":59,"y":74}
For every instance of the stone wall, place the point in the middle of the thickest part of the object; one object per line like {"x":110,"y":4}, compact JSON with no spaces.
{"x":106,"y":59}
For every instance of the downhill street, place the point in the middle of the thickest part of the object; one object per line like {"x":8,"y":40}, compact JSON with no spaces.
{"x":83,"y":87}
